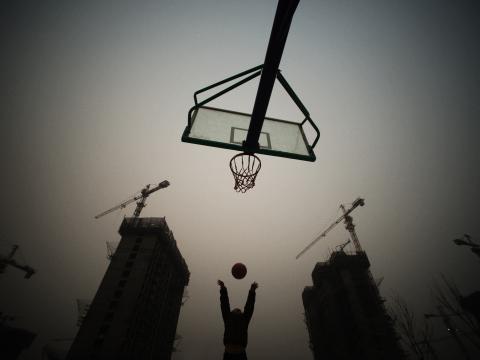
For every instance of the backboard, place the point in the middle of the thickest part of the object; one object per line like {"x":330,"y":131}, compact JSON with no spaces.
{"x":228,"y":129}
{"x":255,"y":132}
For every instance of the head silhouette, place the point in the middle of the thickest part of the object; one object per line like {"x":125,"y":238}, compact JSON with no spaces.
{"x":236,"y":311}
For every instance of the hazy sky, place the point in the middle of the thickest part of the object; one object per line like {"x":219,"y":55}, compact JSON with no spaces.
{"x":95,"y":97}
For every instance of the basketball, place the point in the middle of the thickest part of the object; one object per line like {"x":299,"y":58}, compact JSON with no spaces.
{"x":239,"y":271}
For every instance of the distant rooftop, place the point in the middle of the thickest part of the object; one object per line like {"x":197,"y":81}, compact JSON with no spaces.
{"x":155,"y":226}
{"x":342,"y":259}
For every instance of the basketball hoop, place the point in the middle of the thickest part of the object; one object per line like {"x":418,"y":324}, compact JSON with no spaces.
{"x":245,"y":168}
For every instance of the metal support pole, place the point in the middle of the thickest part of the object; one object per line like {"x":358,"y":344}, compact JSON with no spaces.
{"x":276,"y":44}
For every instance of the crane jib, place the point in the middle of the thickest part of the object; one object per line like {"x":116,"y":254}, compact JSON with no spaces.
{"x":144,"y":193}
{"x":350,"y":226}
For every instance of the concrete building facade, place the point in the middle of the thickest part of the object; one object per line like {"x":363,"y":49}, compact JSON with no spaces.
{"x":345,"y":314}
{"x":135,"y":311}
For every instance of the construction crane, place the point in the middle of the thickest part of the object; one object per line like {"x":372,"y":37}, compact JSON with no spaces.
{"x":348,"y":225}
{"x":9,"y":260}
{"x":141,"y":197}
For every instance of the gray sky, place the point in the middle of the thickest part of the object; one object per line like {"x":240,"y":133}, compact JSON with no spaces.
{"x":95,"y":97}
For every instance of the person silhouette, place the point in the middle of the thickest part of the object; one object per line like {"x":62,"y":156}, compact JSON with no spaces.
{"x":235,"y":337}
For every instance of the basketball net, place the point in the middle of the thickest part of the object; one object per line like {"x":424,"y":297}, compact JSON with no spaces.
{"x":245,"y":168}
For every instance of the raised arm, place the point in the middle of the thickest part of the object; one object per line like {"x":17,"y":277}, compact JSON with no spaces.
{"x":250,"y":304}
{"x":224,"y":302}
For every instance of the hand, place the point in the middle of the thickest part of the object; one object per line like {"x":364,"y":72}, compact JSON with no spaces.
{"x":254,"y":286}
{"x":220,"y":282}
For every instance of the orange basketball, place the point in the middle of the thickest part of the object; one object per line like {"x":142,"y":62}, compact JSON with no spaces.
{"x":239,"y":271}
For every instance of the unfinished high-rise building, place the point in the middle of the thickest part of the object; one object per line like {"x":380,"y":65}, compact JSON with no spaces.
{"x":13,"y":340}
{"x":345,"y":314}
{"x":135,"y":311}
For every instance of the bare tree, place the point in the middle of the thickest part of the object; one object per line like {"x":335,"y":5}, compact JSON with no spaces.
{"x":447,"y":295}
{"x":414,"y":337}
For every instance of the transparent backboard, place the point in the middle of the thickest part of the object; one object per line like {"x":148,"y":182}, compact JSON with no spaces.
{"x":228,"y":129}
